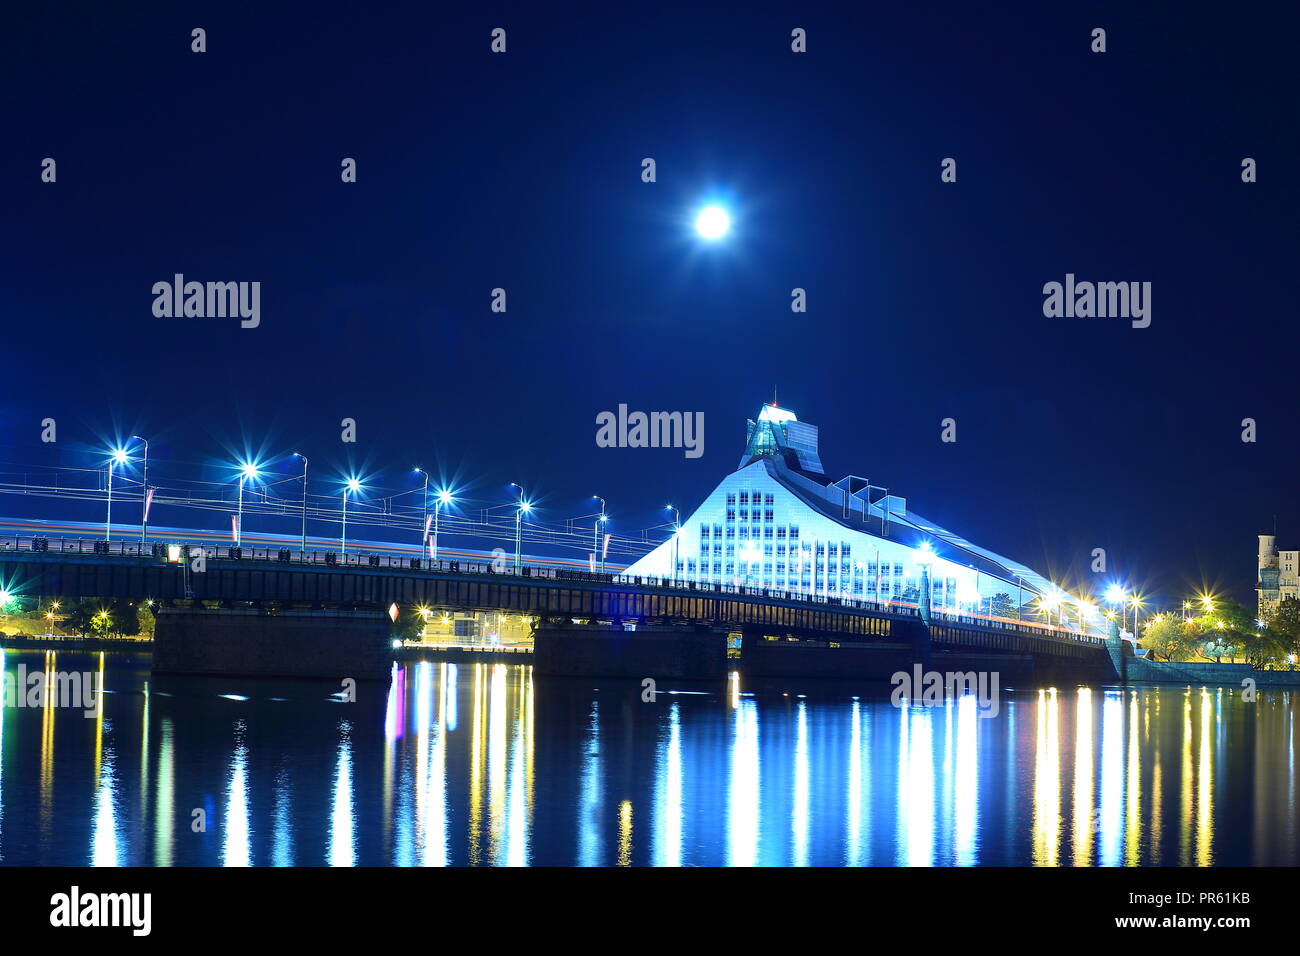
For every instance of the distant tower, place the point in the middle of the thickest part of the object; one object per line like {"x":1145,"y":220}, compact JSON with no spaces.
{"x":1267,"y":586}
{"x":1267,"y":551}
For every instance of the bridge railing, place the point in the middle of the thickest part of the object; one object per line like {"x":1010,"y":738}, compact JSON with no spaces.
{"x":175,"y":551}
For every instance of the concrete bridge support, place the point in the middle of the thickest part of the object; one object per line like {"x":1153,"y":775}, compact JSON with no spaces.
{"x":330,"y":644}
{"x":1118,"y":654}
{"x":658,"y":652}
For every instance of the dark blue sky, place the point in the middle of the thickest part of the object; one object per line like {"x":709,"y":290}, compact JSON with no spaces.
{"x":523,"y":171}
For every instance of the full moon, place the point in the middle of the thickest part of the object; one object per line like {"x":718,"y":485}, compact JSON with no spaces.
{"x":713,"y":222}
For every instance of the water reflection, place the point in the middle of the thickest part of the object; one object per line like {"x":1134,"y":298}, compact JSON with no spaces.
{"x":668,"y":793}
{"x":484,"y":764}
{"x":342,"y":819}
{"x":237,"y":848}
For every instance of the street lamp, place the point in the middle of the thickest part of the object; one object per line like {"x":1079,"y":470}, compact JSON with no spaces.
{"x":1086,"y":611}
{"x":1115,"y":595}
{"x":1049,"y":603}
{"x":677,"y":531}
{"x":304,"y":502}
{"x":1136,"y":603}
{"x":118,"y":456}
{"x":144,"y":495}
{"x":424,"y":519}
{"x":248,"y":470}
{"x":354,"y":486}
{"x":444,"y":498}
{"x":523,"y":508}
{"x":595,"y":534}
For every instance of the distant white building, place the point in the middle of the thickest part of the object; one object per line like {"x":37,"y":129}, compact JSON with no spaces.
{"x":778,"y":523}
{"x":1278,"y":576}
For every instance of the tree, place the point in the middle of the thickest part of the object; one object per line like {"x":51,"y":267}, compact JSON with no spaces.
{"x":1002,"y":605}
{"x":126,"y":618}
{"x":408,"y":626}
{"x":1225,"y":630}
{"x":1263,"y":647}
{"x":1165,"y":636}
{"x":79,"y":615}
{"x":1284,"y":622}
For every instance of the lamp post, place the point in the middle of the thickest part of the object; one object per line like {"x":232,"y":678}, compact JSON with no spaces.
{"x":246,"y":471}
{"x":677,"y":531}
{"x":303,"y":544}
{"x":444,"y":498}
{"x":354,"y":486}
{"x":424,"y":518}
{"x":595,"y":534}
{"x":118,"y":457}
{"x":144,"y":495}
{"x":1116,"y":595}
{"x":521,"y":509}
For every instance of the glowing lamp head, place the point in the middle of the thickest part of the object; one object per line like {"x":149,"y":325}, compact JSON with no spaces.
{"x":353,"y":485}
{"x":248,"y":470}
{"x":713,"y":222}
{"x":525,"y":507}
{"x":119,"y":456}
{"x":444,"y":497}
{"x":1115,"y":594}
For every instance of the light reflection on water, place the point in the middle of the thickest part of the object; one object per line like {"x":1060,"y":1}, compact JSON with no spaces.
{"x":484,"y":764}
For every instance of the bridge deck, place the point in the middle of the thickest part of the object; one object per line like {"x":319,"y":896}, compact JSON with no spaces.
{"x":120,"y":570}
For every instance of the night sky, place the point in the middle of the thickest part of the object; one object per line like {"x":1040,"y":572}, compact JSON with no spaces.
{"x":523,"y":171}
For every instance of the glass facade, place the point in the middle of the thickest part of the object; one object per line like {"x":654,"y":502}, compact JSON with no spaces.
{"x":776,"y":524}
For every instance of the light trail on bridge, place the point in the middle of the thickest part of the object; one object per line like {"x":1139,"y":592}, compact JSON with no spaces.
{"x":379,"y":513}
{"x":11,"y":528}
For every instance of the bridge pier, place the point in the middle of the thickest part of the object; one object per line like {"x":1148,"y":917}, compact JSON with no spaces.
{"x":251,"y":641}
{"x":656,"y":652}
{"x":1115,"y":649}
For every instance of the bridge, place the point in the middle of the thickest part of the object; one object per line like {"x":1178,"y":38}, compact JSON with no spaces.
{"x":283,"y":610}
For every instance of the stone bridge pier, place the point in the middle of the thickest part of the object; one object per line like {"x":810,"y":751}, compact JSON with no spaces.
{"x":282,"y":642}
